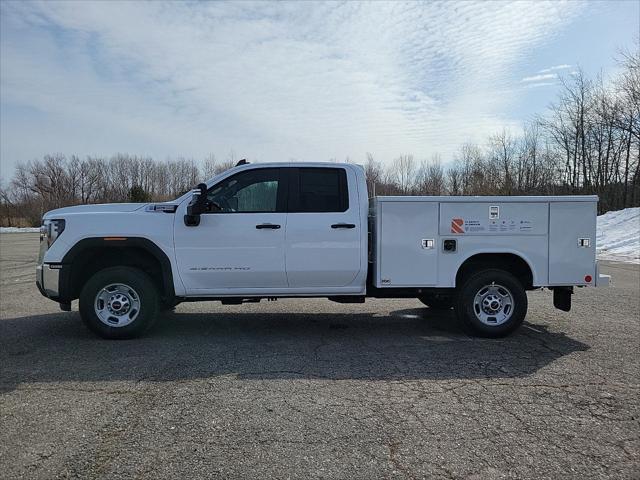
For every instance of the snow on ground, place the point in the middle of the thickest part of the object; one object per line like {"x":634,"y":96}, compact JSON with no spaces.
{"x":18,"y":230}
{"x":618,"y":235}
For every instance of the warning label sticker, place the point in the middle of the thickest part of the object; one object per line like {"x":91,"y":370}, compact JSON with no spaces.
{"x":473,"y":226}
{"x":462,"y":226}
{"x":457,"y":225}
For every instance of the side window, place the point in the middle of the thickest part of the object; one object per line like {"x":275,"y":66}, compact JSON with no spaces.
{"x":251,"y":191}
{"x":320,"y":190}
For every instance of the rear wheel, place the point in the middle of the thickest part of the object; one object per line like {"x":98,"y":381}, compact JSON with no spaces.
{"x":119,"y":302}
{"x":491,"y":303}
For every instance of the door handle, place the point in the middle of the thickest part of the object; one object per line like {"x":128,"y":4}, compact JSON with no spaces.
{"x":272,"y":226}
{"x":343,"y":225}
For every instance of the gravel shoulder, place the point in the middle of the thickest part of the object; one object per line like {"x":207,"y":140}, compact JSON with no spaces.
{"x":313,"y":389}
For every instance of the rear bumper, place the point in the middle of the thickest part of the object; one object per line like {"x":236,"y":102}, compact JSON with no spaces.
{"x":48,"y":280}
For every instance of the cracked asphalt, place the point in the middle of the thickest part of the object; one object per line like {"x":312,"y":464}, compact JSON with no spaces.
{"x":314,"y":389}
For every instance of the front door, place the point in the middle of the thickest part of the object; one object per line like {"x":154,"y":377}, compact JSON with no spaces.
{"x":239,"y":245}
{"x":323,"y":247}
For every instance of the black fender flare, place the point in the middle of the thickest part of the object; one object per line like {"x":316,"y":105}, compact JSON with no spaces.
{"x":110,"y":243}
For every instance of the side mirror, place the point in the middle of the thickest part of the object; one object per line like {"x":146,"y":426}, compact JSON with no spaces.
{"x":197,"y":206}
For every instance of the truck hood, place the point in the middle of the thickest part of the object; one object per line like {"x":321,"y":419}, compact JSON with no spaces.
{"x":96,"y":208}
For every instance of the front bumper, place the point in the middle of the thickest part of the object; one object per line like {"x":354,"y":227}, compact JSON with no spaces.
{"x":48,"y":280}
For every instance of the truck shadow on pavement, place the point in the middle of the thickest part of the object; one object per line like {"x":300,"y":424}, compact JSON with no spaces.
{"x":409,"y":344}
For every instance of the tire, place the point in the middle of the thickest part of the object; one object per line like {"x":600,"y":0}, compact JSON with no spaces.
{"x":119,"y":303}
{"x":483,"y":299}
{"x":437,"y":301}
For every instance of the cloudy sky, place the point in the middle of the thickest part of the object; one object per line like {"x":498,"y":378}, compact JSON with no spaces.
{"x":288,"y":81}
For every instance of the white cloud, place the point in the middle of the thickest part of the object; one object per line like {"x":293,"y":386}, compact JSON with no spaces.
{"x":272,"y":81}
{"x":543,"y":77}
{"x":538,"y":78}
{"x":540,"y":84}
{"x":564,"y":66}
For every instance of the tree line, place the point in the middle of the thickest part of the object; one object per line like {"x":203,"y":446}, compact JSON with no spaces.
{"x":58,"y":181}
{"x":587,"y":142}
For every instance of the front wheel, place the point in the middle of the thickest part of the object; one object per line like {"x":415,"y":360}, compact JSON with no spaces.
{"x":119,"y":302}
{"x":491,"y":303}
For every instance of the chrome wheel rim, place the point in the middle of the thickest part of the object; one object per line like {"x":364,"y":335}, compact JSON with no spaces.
{"x":493,"y":305}
{"x":117,"y":305}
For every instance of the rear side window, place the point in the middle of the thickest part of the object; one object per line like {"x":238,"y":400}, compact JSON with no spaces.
{"x":319,"y":190}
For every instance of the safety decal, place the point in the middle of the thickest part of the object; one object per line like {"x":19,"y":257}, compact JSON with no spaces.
{"x":457,"y":225}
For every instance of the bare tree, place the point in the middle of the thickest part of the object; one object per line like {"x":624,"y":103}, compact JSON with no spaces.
{"x":502,"y":168}
{"x":374,"y":175}
{"x":209,"y":166}
{"x":402,"y":173}
{"x":431,"y":177}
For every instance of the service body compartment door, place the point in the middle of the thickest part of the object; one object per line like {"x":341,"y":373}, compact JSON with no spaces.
{"x":571,"y":226}
{"x":408,"y":251}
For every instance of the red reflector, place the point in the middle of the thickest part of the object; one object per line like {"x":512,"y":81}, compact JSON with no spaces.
{"x":587,"y":278}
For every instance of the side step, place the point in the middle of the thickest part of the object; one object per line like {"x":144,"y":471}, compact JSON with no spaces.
{"x":238,"y":300}
{"x":347,"y":299}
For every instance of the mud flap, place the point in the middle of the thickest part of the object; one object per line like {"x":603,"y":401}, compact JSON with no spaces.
{"x":562,"y":298}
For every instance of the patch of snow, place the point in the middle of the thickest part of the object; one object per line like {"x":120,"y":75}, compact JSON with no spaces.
{"x":19,"y":230}
{"x":618,"y":236}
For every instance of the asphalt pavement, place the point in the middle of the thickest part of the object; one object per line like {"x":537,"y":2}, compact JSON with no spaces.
{"x":314,"y":389}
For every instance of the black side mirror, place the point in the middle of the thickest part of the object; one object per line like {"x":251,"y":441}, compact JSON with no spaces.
{"x":197,"y":206}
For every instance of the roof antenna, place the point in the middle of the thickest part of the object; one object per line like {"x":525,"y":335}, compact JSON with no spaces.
{"x":242,"y":162}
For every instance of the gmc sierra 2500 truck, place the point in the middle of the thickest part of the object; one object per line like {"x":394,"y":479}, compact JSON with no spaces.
{"x":279,"y":230}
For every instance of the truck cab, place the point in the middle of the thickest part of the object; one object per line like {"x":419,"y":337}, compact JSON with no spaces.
{"x":276,"y":230}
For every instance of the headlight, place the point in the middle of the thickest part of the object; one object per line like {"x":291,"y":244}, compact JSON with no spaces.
{"x":51,"y":230}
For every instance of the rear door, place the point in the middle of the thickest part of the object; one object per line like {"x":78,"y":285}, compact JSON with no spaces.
{"x":323,"y":235}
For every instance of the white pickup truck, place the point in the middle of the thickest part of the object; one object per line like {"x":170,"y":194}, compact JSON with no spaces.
{"x":266,"y":231}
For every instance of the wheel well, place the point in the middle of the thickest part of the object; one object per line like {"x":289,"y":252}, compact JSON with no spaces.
{"x":510,"y":262}
{"x":90,"y":258}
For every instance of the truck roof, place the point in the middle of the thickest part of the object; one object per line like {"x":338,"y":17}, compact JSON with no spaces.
{"x":297,"y":164}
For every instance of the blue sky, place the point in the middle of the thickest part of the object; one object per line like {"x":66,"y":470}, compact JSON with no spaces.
{"x":289,"y":81}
